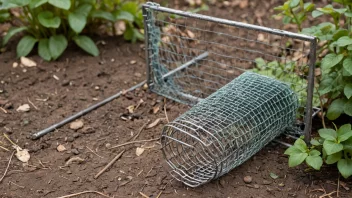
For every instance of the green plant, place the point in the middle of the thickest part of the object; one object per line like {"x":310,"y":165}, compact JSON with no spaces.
{"x":52,"y":24}
{"x":333,"y":146}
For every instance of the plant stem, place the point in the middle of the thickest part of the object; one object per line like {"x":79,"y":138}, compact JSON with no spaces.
{"x":297,"y":22}
{"x":322,"y":108}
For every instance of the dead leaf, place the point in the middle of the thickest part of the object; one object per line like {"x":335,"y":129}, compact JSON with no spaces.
{"x":261,"y":37}
{"x":27,"y":62}
{"x":130,"y":109}
{"x":244,"y":4}
{"x":76,"y":125}
{"x":156,"y":109}
{"x":190,"y":34}
{"x":61,"y":148}
{"x":141,"y":101}
{"x":139,"y":151}
{"x":22,"y":154}
{"x":155,"y":123}
{"x":74,"y":159}
{"x":23,"y":108}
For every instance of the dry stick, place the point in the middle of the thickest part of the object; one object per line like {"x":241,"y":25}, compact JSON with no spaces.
{"x":4,"y":148}
{"x":3,"y":110}
{"x":139,"y":141}
{"x":140,"y":130}
{"x":32,"y":104}
{"x":84,"y":192}
{"x":7,"y":168}
{"x":159,"y":194}
{"x":144,"y":195}
{"x":109,"y":164}
{"x":167,"y":118}
{"x":94,"y":152}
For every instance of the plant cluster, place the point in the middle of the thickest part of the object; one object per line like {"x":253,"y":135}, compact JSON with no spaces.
{"x":52,"y":24}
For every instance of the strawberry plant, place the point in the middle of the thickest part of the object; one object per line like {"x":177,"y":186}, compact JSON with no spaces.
{"x":52,"y":24}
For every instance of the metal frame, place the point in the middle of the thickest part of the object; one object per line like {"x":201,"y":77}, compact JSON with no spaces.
{"x":312,"y":54}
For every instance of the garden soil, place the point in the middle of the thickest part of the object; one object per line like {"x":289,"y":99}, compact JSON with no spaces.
{"x":66,"y":161}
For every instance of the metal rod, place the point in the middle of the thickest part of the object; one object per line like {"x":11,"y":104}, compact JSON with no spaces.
{"x":146,"y":44}
{"x":81,"y":113}
{"x":229,"y":22}
{"x":283,"y":143}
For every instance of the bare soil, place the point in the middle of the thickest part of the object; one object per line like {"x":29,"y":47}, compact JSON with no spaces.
{"x":75,"y":81}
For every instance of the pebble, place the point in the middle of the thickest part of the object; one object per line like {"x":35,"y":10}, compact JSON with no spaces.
{"x":76,"y":124}
{"x":107,"y":145}
{"x":222,"y":182}
{"x":70,"y":139}
{"x":137,"y":74}
{"x":65,"y":83}
{"x":75,"y":151}
{"x":266,"y":182}
{"x":256,"y":186}
{"x":76,"y":135}
{"x":133,"y":62}
{"x":247,"y":179}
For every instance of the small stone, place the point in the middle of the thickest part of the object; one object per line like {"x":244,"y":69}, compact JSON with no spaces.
{"x":145,"y":86}
{"x":27,"y":62}
{"x":75,"y":151}
{"x":65,"y":83}
{"x":266,"y":182}
{"x":68,"y":172}
{"x":112,"y":60}
{"x":76,"y":125}
{"x":15,"y":64}
{"x":23,"y":108}
{"x":88,"y":130}
{"x":137,"y":74}
{"x":281,"y":184}
{"x":247,"y":179}
{"x":70,"y":139}
{"x":133,"y":62}
{"x":76,"y":135}
{"x":8,"y":105}
{"x":256,"y":186}
{"x":222,"y":182}
{"x":60,"y":148}
{"x":107,"y":145}
{"x":96,"y":87}
{"x":24,"y":70}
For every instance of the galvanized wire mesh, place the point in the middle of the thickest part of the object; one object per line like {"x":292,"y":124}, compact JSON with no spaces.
{"x":228,"y":127}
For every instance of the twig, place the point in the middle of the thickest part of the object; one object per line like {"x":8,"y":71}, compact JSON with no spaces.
{"x":159,"y":194}
{"x":139,"y":132}
{"x":94,"y":152}
{"x":109,"y":164}
{"x":338,"y":186}
{"x":167,"y":118}
{"x":139,"y":141}
{"x":4,"y":148}
{"x":32,"y":104}
{"x":7,"y":137}
{"x":16,"y":184}
{"x":143,"y":195}
{"x":84,"y":192}
{"x":8,"y":165}
{"x":3,"y":110}
{"x":327,"y":195}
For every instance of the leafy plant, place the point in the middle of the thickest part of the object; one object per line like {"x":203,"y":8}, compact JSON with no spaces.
{"x":333,"y":146}
{"x":52,"y":24}
{"x":335,"y":47}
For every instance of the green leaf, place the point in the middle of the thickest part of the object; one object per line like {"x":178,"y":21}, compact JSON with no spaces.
{"x":7,"y":4}
{"x":340,"y":33}
{"x":345,"y":167}
{"x":332,"y":147}
{"x":315,"y":162}
{"x":331,"y":159}
{"x":344,"y":132}
{"x":36,"y":3}
{"x":124,"y":15}
{"x":315,"y":142}
{"x":301,"y":145}
{"x":308,"y":7}
{"x":294,"y":3}
{"x":316,"y":13}
{"x":86,"y":44}
{"x":296,"y":159}
{"x":328,"y":134}
{"x":47,"y":19}
{"x":63,"y":4}
{"x":336,"y":109}
{"x":286,"y":19}
{"x":344,"y":41}
{"x":77,"y":21}
{"x":43,"y":49}
{"x":326,"y":85}
{"x":103,"y":15}
{"x":348,"y":107}
{"x":331,"y":60}
{"x":25,"y":45}
{"x":131,"y":7}
{"x":314,"y":152}
{"x":348,"y":90}
{"x":348,"y":14}
{"x":347,"y":64}
{"x":274,"y":176}
{"x":84,"y":9}
{"x":11,"y":33}
{"x":57,"y":45}
{"x":292,"y":150}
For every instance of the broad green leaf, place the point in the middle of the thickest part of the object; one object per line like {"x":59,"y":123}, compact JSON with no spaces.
{"x":84,"y":9}
{"x":345,"y":167}
{"x":344,"y":132}
{"x":336,"y":109}
{"x":314,"y":152}
{"x":297,"y":159}
{"x":326,"y":85}
{"x":340,"y":10}
{"x":328,"y":134}
{"x":332,"y":147}
{"x":63,"y":4}
{"x":348,"y":107}
{"x":316,"y":13}
{"x":92,"y":2}
{"x":347,"y":145}
{"x":103,"y":15}
{"x":348,"y":90}
{"x":47,"y":19}
{"x":77,"y":21}
{"x":124,"y":15}
{"x":37,"y":3}
{"x":294,"y":3}
{"x":131,"y":7}
{"x":4,"y":15}
{"x":25,"y":46}
{"x":348,"y":14}
{"x":86,"y":44}
{"x":340,"y":33}
{"x":286,"y":19}
{"x":7,"y":4}
{"x":347,"y":64}
{"x":11,"y":33}
{"x":43,"y":49}
{"x":308,"y":7}
{"x":293,"y":150}
{"x":315,"y":162}
{"x":315,"y":142}
{"x":331,"y":60}
{"x":331,"y":159}
{"x":344,"y":41}
{"x":57,"y":45}
{"x":301,"y":145}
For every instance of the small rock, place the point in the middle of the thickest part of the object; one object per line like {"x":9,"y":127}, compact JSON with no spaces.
{"x":88,"y":130}
{"x":266,"y":182}
{"x":23,"y":108}
{"x":61,"y":148}
{"x":65,"y":83}
{"x":247,"y":179}
{"x":8,"y":105}
{"x":24,"y":70}
{"x":70,"y":139}
{"x":107,"y":145}
{"x":15,"y":64}
{"x":76,"y":135}
{"x":96,"y":87}
{"x":27,"y":62}
{"x":69,"y":172}
{"x":133,"y":62}
{"x":75,"y":151}
{"x":222,"y":182}
{"x":281,"y":184}
{"x":137,"y":74}
{"x":76,"y":125}
{"x":256,"y":186}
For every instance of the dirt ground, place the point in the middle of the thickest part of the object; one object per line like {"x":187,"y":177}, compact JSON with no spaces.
{"x":59,"y":89}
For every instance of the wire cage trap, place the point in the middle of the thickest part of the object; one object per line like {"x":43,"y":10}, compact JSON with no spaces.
{"x":256,"y":81}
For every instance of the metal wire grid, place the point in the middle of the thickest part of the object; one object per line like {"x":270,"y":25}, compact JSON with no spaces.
{"x":215,"y":51}
{"x":228,"y":127}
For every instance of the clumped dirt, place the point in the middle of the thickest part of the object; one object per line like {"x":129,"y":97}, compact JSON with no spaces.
{"x":59,"y":89}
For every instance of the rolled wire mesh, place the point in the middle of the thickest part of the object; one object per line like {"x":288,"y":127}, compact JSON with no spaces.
{"x":228,"y":127}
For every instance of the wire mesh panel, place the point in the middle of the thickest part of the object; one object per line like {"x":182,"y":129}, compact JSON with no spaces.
{"x":228,"y":127}
{"x":190,"y":56}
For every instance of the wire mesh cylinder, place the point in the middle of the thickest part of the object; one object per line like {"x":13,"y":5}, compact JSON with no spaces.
{"x":228,"y":127}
